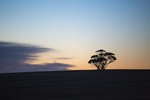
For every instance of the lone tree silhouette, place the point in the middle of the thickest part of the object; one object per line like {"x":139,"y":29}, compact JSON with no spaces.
{"x":102,"y":59}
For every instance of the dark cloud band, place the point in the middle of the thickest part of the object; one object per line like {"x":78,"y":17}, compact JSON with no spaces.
{"x":13,"y":56}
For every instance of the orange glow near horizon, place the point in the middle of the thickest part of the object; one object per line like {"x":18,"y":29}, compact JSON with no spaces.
{"x":81,"y":62}
{"x":127,"y":58}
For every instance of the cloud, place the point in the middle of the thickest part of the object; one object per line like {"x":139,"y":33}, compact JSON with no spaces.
{"x":18,"y":53}
{"x":13,"y":56}
{"x":63,"y":58}
{"x":50,"y":66}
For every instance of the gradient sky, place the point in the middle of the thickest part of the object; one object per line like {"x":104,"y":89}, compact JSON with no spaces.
{"x":75,"y":29}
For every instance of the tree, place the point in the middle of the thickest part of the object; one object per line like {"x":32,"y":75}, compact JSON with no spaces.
{"x":102,"y":59}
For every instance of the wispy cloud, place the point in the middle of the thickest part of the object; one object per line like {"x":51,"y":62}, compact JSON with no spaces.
{"x":63,"y":58}
{"x":13,"y":56}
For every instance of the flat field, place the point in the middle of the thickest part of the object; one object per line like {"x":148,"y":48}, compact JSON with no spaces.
{"x":76,"y":85}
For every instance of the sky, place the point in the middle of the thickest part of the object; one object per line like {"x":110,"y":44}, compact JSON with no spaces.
{"x":49,"y":35}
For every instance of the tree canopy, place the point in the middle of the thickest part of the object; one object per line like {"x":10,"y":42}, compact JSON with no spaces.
{"x":102,"y":59}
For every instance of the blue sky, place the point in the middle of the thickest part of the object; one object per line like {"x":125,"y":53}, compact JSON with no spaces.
{"x":76,"y":28}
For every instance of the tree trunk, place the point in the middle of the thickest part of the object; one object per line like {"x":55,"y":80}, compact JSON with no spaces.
{"x":98,"y":68}
{"x":103,"y":67}
{"x":106,"y":65}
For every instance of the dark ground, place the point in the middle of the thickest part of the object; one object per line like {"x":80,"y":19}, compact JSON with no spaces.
{"x":76,"y":85}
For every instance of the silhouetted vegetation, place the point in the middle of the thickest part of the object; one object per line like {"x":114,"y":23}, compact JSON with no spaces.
{"x":102,"y":59}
